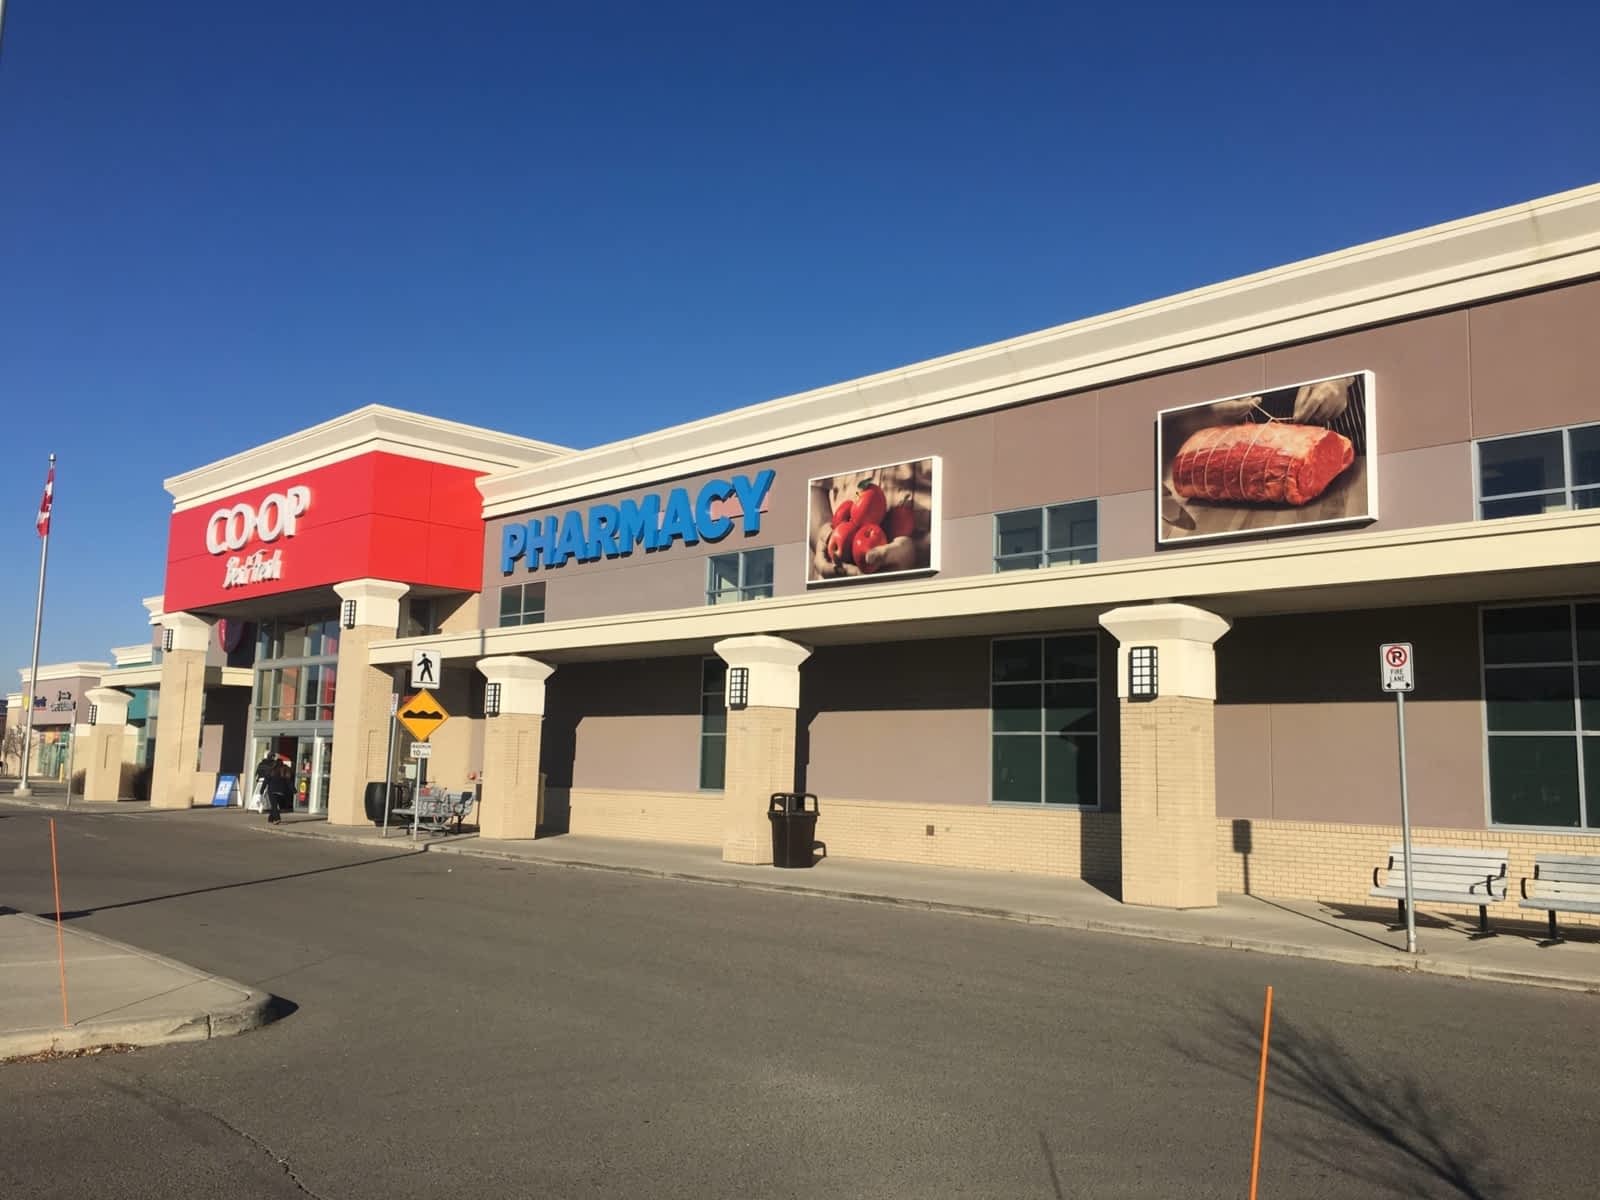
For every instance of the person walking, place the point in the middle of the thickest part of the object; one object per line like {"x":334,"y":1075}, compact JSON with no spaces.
{"x":280,"y":793}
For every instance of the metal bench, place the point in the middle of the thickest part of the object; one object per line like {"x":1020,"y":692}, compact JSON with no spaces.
{"x":436,"y":810}
{"x":1563,"y":883}
{"x":1446,"y":875}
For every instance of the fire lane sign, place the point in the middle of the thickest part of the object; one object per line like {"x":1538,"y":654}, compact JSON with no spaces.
{"x":1397,"y":667}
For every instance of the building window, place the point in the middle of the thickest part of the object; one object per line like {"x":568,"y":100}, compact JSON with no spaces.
{"x":1044,"y":720}
{"x":1541,"y":694}
{"x":1039,"y":537}
{"x":522,"y":604}
{"x":743,"y":576}
{"x":1539,"y":472}
{"x":713,"y":724}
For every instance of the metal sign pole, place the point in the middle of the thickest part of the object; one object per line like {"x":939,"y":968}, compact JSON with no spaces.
{"x":1405,"y":826}
{"x":388,"y":765}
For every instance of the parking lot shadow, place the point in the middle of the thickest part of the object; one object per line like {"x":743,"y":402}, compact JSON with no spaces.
{"x":76,"y":913}
{"x":1397,"y":1136}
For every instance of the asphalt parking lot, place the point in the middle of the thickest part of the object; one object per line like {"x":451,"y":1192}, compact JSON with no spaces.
{"x":459,"y":1026}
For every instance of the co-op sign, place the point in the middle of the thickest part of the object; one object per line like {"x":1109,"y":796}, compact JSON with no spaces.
{"x":236,"y":527}
{"x":613,"y":530}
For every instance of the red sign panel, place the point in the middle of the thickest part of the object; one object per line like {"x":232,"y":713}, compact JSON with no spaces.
{"x":380,"y":516}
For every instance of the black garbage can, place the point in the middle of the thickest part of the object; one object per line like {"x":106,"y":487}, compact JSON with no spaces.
{"x":372,"y":801}
{"x":794,"y":828}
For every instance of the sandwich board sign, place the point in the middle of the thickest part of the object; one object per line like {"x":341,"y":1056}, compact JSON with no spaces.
{"x":1398,"y":666}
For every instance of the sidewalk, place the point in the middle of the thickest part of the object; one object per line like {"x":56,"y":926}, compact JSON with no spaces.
{"x":115,"y":994}
{"x":1295,"y":928}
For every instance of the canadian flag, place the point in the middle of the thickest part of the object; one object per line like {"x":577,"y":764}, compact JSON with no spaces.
{"x":43,"y":522}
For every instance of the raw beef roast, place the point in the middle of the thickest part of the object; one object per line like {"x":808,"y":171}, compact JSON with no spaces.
{"x":1273,"y":462}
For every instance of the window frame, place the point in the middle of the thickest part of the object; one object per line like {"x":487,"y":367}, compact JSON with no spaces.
{"x":742,"y":589}
{"x":522,"y":604}
{"x":1041,"y":557}
{"x":1578,"y":734}
{"x":1099,"y":724}
{"x":721,"y":693}
{"x":1565,"y":491}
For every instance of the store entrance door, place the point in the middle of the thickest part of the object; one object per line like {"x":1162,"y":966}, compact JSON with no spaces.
{"x":310,"y":759}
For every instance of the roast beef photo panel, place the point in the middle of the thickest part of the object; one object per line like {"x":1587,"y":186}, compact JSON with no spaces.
{"x":1287,"y":458}
{"x":874,"y":522}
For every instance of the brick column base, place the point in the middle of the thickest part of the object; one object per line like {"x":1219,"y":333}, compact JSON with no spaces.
{"x":760,"y":762}
{"x":513,"y":796}
{"x":183,"y":692}
{"x":1169,"y":806}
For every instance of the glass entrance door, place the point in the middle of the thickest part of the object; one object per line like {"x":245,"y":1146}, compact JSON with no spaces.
{"x":309,"y":757}
{"x":321,"y":772}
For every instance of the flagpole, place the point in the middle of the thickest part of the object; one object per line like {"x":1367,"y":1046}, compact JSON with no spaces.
{"x":33,"y":671}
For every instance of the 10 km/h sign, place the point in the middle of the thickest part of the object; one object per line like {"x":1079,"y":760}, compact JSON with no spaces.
{"x":1398,"y":667}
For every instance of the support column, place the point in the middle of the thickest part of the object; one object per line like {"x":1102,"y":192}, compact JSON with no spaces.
{"x":1169,"y":777}
{"x":361,"y":698}
{"x":183,"y":696}
{"x":760,"y":743}
{"x":512,"y":803}
{"x":101,"y":753}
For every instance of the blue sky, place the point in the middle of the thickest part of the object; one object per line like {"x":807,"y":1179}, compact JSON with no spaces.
{"x":220,"y":223}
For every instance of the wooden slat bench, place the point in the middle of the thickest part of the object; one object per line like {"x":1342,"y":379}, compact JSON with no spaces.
{"x":1563,"y":883}
{"x":1446,"y":875}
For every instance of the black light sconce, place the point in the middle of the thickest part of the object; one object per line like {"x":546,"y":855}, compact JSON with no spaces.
{"x":166,"y":640}
{"x":738,"y":687}
{"x":348,"y":614}
{"x":491,"y":700}
{"x":1143,"y":676}
{"x":94,"y":713}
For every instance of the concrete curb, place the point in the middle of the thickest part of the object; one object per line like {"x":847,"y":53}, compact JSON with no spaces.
{"x":253,"y":1009}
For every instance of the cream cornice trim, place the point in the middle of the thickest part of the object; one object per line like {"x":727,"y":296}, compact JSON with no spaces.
{"x":1537,"y":244}
{"x":67,"y":670}
{"x":144,"y":675}
{"x":1467,"y":548}
{"x":374,"y":427}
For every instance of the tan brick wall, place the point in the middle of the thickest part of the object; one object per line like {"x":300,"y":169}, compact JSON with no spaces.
{"x":1333,"y":862}
{"x":183,"y":686}
{"x":685,"y":818}
{"x":510,"y":804}
{"x":1169,"y":804}
{"x":1044,"y":841}
{"x":360,"y":725}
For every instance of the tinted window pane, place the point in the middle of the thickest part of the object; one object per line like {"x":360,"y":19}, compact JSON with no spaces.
{"x":1071,"y":772}
{"x":1586,"y":498}
{"x":1533,"y":698}
{"x":1016,"y":770}
{"x":1019,"y":532}
{"x":712,"y":672}
{"x":510,"y":605}
{"x":758,"y":569}
{"x":1025,"y":563}
{"x":1589,"y":692}
{"x":713,"y":754}
{"x":1521,"y":464}
{"x":1019,"y":659}
{"x":1585,"y":444}
{"x":1591,"y":778}
{"x":1524,"y":506}
{"x":1589,"y":632}
{"x":1070,"y":657}
{"x":1016,"y":708}
{"x":1069,"y":707}
{"x":713,"y":716}
{"x":1082,"y":554}
{"x":532,"y":602}
{"x":1072,"y":525}
{"x":1533,"y":780}
{"x":1542,"y":634}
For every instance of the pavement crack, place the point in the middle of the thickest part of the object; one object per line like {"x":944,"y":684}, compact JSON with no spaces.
{"x":140,"y":1088}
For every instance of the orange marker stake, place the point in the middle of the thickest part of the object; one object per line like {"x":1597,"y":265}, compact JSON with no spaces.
{"x":61,"y":951}
{"x":1261,"y":1094}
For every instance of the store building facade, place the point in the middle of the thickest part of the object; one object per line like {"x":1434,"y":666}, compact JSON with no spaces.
{"x":1103,"y":601}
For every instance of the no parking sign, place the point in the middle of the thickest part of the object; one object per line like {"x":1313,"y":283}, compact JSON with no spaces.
{"x":1398,"y":666}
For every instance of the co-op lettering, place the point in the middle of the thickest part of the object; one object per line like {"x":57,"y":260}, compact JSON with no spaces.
{"x":235,"y":528}
{"x":613,"y":530}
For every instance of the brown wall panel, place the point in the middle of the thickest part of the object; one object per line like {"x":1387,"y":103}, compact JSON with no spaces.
{"x":1535,"y":360}
{"x":629,"y":724}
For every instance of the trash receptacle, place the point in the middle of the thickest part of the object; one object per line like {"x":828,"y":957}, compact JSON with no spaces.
{"x":794,"y":828}
{"x":372,"y":801}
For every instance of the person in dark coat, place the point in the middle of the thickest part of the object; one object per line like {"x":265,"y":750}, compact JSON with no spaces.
{"x":280,"y":793}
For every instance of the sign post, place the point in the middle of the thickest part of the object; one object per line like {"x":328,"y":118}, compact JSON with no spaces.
{"x":1398,"y":668}
{"x":421,"y":715}
{"x":388,"y":762}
